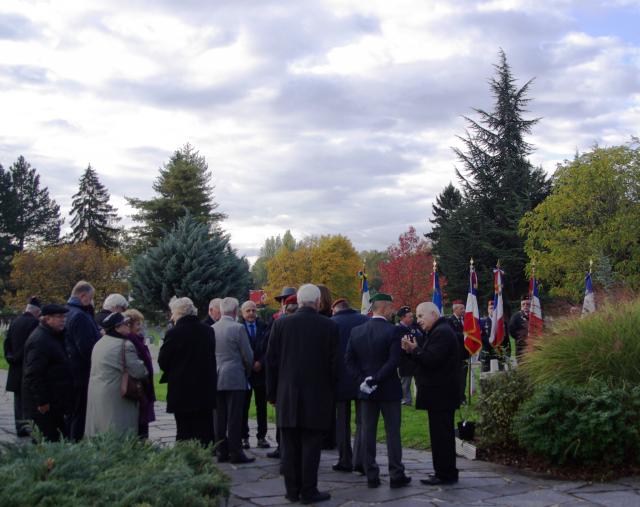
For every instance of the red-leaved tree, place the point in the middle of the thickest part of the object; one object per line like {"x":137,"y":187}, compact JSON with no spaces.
{"x":406,"y":276}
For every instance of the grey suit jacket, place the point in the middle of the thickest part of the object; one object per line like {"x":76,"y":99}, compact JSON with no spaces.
{"x":234,"y":356}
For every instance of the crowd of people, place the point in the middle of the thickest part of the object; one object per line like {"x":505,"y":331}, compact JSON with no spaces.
{"x":76,"y":374}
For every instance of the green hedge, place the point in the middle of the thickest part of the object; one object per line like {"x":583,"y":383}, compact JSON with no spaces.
{"x":109,"y":471}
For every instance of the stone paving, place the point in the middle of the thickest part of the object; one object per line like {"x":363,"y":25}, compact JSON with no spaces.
{"x":481,"y":483}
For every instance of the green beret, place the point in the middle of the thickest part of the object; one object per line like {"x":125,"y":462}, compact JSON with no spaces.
{"x":380,"y":297}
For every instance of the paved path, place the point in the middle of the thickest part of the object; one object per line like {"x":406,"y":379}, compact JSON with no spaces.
{"x":480,"y":483}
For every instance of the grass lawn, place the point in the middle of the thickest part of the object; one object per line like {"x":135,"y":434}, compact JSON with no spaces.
{"x":3,"y":362}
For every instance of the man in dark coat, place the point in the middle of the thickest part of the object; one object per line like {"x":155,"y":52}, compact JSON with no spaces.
{"x":258,"y":333}
{"x":47,"y":383}
{"x":372,"y":358}
{"x":81,"y":334}
{"x":188,"y":360}
{"x":17,"y":334}
{"x":347,"y":391}
{"x":437,"y":381}
{"x":519,"y":327}
{"x":301,"y":377}
{"x":405,"y":369}
{"x":457,"y":323}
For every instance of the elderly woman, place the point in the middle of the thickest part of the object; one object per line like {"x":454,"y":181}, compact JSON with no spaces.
{"x":113,"y":303}
{"x":188,"y":360}
{"x":112,"y":355}
{"x":147,"y":413}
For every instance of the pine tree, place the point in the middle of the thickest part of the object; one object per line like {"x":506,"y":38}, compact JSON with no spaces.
{"x":184,"y":185}
{"x":447,"y":202}
{"x":499,"y":186}
{"x":190,"y":261}
{"x":92,"y":215}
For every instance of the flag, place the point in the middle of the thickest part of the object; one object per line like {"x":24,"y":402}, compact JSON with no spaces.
{"x":589,"y":305}
{"x":258,"y":297}
{"x":497,"y":319}
{"x":437,"y":294}
{"x":535,"y":310}
{"x":364,"y":290}
{"x":472,"y":337}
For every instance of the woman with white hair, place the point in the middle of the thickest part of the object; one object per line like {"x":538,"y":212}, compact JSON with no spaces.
{"x":188,"y":360}
{"x":113,"y":303}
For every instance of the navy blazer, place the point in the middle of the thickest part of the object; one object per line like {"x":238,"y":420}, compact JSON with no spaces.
{"x":347,"y":387}
{"x":374,"y":351}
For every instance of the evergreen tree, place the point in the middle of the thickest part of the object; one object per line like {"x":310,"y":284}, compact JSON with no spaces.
{"x":499,"y":186}
{"x":190,"y":261}
{"x":446,"y":204}
{"x":184,"y":185}
{"x":92,"y":215}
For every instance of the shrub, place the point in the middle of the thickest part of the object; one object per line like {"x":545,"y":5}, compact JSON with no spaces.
{"x":109,"y":470}
{"x":499,"y":400}
{"x":590,"y":425}
{"x":602,"y":346}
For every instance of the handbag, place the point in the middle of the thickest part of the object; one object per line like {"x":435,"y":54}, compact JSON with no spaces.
{"x":130,"y":388}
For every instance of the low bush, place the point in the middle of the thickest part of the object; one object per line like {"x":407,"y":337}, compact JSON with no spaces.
{"x":591,"y":425}
{"x":499,"y":400}
{"x":602,"y":346}
{"x":109,"y":470}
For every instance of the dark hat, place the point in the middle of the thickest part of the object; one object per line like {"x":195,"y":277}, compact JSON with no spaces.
{"x":457,"y":302}
{"x":286,"y":291}
{"x":34,"y":301}
{"x":380,"y":296}
{"x":291,"y":300}
{"x":113,"y":320}
{"x":54,"y":309}
{"x":403,"y":311}
{"x":338,"y":301}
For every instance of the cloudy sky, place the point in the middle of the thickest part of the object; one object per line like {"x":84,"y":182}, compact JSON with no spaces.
{"x":333,"y":116}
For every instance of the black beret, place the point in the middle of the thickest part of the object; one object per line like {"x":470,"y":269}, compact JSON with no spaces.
{"x":403,"y":311}
{"x":34,"y":301}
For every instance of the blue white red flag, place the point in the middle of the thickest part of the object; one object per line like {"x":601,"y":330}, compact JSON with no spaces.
{"x":437,"y":293}
{"x":364,"y":290}
{"x":497,"y":319}
{"x":535,"y":309}
{"x":472,"y":335}
{"x":589,"y":305}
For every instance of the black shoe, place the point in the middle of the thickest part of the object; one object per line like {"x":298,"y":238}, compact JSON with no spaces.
{"x":359,"y":469}
{"x":320,"y":496}
{"x":24,"y":433}
{"x":292,"y":497}
{"x":373,"y":483}
{"x":263,"y":444}
{"x":242,"y":458}
{"x":433,"y":480}
{"x":274,"y":454}
{"x":399,"y":483}
{"x":222,"y":458}
{"x":245,"y":443}
{"x":339,"y":467}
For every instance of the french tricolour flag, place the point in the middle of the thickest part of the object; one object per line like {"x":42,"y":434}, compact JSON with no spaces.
{"x":437,"y":294}
{"x":364,"y":289}
{"x":497,"y":319}
{"x":472,"y":336}
{"x":535,"y":310}
{"x":589,"y":305}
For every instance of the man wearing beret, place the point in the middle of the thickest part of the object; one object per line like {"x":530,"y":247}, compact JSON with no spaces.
{"x":17,"y":335}
{"x":372,"y":357}
{"x":47,"y":383}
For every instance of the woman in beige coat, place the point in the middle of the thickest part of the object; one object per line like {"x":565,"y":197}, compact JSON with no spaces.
{"x":107,"y":410}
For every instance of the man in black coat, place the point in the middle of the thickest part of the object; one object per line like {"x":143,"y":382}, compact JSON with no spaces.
{"x":188,"y":360}
{"x":456,"y":320}
{"x":301,"y":377}
{"x":437,"y":381}
{"x":405,"y":369}
{"x":47,"y":382}
{"x":258,"y":333}
{"x":372,"y":357}
{"x":519,"y":327}
{"x":347,"y":391}
{"x":17,"y":334}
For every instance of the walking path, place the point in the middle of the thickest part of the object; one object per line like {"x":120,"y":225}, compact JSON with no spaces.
{"x":481,"y":483}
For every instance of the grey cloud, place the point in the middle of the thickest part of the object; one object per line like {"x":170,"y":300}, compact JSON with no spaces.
{"x":25,"y":74}
{"x":61,"y":124}
{"x":16,"y":27}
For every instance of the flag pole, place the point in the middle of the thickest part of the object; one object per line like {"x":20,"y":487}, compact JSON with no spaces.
{"x":469,"y":360}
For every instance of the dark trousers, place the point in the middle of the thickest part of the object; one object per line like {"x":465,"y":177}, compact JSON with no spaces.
{"x":79,"y":412}
{"x":301,"y":450}
{"x":464,"y":370}
{"x":229,"y":411}
{"x":261,"y":411}
{"x":443,"y":444}
{"x":406,"y":389}
{"x":343,"y":434}
{"x":51,"y":425}
{"x":22,"y":426}
{"x":391,"y":413}
{"x":358,"y":444}
{"x":195,"y":426}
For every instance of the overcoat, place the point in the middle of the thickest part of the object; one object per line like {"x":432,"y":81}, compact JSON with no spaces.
{"x":347,"y":387}
{"x":302,"y":369}
{"x":234,"y":357}
{"x":17,"y":334}
{"x":107,"y":410}
{"x":259,"y":346}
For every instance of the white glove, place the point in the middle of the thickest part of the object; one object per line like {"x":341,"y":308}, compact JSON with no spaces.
{"x":365,"y":388}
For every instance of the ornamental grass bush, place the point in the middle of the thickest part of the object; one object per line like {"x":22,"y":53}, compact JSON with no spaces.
{"x":604,"y":346}
{"x":109,"y":471}
{"x":595,"y":425}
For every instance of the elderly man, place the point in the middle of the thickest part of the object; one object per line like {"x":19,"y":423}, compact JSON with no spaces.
{"x":81,"y":334}
{"x":234,"y":358}
{"x":258,"y":333}
{"x":113,"y":303}
{"x":457,"y":323}
{"x":372,"y":357}
{"x":519,"y":327}
{"x":47,"y":384}
{"x":437,"y":376}
{"x":301,"y":377}
{"x":214,"y":312}
{"x":17,"y":334}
